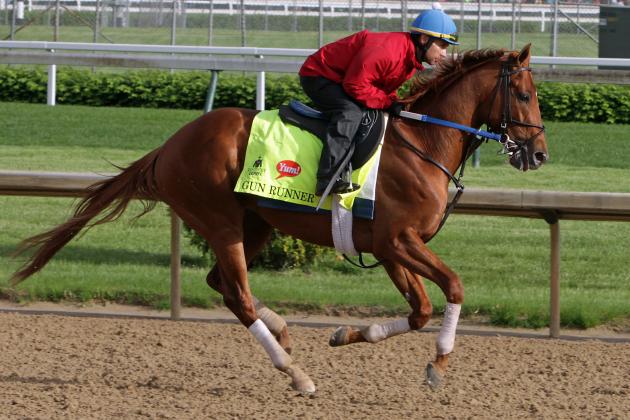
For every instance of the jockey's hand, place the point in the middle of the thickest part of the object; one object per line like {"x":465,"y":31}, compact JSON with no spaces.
{"x":395,"y":108}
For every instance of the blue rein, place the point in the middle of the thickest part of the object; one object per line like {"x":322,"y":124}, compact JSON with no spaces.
{"x":481,"y":133}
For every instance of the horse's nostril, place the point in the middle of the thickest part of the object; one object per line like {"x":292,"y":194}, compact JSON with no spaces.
{"x":540,"y":156}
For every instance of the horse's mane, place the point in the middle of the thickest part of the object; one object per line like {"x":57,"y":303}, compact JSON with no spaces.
{"x":448,"y":71}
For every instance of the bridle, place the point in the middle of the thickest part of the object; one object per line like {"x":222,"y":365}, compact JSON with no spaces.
{"x":511,"y":146}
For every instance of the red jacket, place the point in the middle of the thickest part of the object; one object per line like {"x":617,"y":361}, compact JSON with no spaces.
{"x":370,"y":66}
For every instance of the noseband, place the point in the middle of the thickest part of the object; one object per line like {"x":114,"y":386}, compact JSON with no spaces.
{"x":516,"y":146}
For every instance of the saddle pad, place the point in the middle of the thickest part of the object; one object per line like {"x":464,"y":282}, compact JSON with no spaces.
{"x":281,"y":164}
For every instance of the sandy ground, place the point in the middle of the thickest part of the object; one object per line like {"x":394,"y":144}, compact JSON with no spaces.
{"x":83,"y":367}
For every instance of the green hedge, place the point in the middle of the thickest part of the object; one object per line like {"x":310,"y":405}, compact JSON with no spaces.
{"x":162,"y":89}
{"x":151,"y":89}
{"x":585,"y":102}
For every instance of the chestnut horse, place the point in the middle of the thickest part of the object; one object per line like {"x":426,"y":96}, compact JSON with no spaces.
{"x":196,"y":170}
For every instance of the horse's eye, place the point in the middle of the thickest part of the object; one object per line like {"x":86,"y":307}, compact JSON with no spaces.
{"x":523,"y":96}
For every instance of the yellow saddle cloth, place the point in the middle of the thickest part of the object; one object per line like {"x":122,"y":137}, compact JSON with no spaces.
{"x":281,"y":164}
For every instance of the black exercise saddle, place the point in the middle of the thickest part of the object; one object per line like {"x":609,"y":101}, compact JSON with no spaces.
{"x":365,"y":141}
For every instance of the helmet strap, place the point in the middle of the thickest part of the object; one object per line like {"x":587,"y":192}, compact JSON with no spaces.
{"x":426,"y":46}
{"x":421,"y":50}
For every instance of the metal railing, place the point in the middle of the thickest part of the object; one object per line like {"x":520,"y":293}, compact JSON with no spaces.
{"x":249,"y":59}
{"x":254,"y":52}
{"x":552,"y":206}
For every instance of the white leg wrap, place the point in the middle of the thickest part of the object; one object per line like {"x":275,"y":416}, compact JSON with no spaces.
{"x":377,"y":332}
{"x":446,"y":338}
{"x":279,"y":357}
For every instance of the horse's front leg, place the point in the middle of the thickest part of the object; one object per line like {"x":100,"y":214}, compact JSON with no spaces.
{"x":408,"y":249}
{"x":411,"y":287}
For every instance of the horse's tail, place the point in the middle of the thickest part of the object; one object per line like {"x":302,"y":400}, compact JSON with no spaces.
{"x":112,"y":194}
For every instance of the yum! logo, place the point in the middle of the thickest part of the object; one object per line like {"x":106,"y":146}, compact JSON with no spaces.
{"x":288,"y":168}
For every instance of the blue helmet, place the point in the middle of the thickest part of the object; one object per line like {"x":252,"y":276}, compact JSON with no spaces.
{"x":437,"y":24}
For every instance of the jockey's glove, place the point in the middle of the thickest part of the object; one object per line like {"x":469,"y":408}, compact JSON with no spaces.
{"x":395,"y":108}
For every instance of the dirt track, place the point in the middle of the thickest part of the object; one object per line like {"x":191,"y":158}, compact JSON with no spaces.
{"x":68,"y":367}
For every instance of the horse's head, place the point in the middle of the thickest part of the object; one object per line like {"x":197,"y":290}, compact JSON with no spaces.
{"x":513,"y":111}
{"x":491,"y":87}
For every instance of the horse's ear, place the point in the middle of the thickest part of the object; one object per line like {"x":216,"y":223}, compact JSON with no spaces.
{"x":523,"y":56}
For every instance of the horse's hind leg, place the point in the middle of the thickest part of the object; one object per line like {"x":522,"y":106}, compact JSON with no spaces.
{"x":224,"y":232}
{"x":256,"y":234}
{"x":195,"y":175}
{"x":276,"y":324}
{"x":411,"y":287}
{"x":237,"y":296}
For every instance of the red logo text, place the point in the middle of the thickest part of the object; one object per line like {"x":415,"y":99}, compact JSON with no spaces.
{"x":288,"y":168}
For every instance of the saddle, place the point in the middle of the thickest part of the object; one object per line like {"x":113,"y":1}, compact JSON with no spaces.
{"x":365,"y":142}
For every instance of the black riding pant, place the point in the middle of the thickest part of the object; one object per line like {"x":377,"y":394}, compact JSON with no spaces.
{"x":344,"y":119}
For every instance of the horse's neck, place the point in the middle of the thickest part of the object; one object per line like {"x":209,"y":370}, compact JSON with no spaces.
{"x":460,"y":103}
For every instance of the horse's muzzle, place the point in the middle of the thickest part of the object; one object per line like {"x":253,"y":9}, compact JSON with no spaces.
{"x":528,"y":157}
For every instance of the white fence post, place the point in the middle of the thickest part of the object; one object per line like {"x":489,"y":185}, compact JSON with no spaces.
{"x":51,"y":92}
{"x":176,"y":287}
{"x":260,"y":89}
{"x":554,"y":287}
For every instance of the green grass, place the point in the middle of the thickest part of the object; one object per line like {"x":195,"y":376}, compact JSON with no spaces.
{"x":569,"y":44}
{"x":503,"y":262}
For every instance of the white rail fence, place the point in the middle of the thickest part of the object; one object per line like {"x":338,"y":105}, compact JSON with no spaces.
{"x":558,"y":19}
{"x":552,"y":206}
{"x":386,"y":9}
{"x":249,"y":59}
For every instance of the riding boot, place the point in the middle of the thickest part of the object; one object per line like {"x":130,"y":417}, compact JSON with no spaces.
{"x":343,"y":183}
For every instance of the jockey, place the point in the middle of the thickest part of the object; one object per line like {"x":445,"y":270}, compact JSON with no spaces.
{"x":364,"y":70}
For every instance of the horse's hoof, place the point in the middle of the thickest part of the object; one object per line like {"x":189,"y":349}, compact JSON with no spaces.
{"x":300,"y":380}
{"x":304,"y":388}
{"x":340,"y":337}
{"x":434,"y":377}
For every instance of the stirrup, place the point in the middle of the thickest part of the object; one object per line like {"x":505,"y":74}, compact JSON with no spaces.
{"x":344,"y":187}
{"x":340,"y":186}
